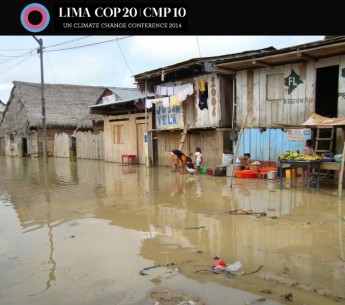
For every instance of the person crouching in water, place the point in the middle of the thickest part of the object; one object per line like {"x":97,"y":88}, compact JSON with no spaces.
{"x":190,"y":166}
{"x":177,"y":155}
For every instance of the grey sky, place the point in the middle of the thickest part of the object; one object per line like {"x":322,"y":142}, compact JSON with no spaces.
{"x":105,"y":61}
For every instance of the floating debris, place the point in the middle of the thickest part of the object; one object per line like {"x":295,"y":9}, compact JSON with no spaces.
{"x":148,"y":268}
{"x":245,"y":212}
{"x":194,"y":228}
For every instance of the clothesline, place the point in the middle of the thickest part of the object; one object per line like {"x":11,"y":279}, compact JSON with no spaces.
{"x":176,"y":95}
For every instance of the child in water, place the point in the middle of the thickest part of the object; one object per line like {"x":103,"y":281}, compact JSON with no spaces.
{"x":198,"y":159}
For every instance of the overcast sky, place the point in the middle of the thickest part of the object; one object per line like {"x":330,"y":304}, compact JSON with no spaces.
{"x":112,"y":60}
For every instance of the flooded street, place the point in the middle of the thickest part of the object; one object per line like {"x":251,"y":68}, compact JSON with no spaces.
{"x":87,"y":232}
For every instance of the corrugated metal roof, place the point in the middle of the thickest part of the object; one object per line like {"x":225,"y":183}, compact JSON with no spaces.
{"x":142,"y":95}
{"x":206,"y":61}
{"x":314,"y":50}
{"x":127,"y":93}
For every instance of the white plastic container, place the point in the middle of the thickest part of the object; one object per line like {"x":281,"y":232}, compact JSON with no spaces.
{"x":271,"y":175}
{"x":231,"y":169}
{"x":227,"y":159}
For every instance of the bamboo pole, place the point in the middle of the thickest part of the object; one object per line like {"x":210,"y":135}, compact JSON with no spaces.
{"x":340,"y":181}
{"x":238,"y":142}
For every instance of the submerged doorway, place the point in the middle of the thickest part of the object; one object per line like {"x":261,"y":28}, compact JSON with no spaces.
{"x":24,"y":147}
{"x":326,"y":99}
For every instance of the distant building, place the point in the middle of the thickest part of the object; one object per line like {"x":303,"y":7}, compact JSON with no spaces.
{"x":66,"y":110}
{"x":125,"y":122}
{"x":2,"y":109}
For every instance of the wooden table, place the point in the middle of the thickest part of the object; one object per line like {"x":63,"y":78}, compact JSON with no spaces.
{"x":295,"y":164}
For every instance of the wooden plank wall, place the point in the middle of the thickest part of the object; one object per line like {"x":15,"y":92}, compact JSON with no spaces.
{"x":341,"y":104}
{"x":212,"y":116}
{"x":89,"y":145}
{"x":190,"y":111}
{"x":112,"y":151}
{"x":211,"y":143}
{"x":294,"y":108}
{"x":61,"y":145}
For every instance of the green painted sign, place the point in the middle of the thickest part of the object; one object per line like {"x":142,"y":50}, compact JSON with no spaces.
{"x":292,"y":81}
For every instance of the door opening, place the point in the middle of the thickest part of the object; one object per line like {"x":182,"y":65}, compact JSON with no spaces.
{"x":326,"y":99}
{"x":326,"y":102}
{"x":25,"y":147}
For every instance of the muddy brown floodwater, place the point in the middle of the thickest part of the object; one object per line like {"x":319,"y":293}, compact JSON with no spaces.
{"x":92,"y":232}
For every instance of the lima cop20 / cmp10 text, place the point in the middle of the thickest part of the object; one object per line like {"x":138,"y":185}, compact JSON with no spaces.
{"x":122,"y":12}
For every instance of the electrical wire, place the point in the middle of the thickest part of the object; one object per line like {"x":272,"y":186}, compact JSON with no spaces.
{"x":62,"y":43}
{"x":66,"y":42}
{"x":51,"y":70}
{"x":17,"y":64}
{"x":124,"y":58}
{"x":197,"y":40}
{"x":6,"y":60}
{"x":87,"y":45}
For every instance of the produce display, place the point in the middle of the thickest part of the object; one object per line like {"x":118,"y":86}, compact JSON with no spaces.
{"x":296,"y":156}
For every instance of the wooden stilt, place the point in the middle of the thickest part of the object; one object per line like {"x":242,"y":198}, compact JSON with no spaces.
{"x":183,"y":137}
{"x":340,"y":182}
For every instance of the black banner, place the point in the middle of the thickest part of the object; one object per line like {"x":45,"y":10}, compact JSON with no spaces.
{"x":189,"y":17}
{"x":107,"y":18}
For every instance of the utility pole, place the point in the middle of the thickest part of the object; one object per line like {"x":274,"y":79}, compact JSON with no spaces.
{"x":146,"y":139}
{"x":44,"y":130}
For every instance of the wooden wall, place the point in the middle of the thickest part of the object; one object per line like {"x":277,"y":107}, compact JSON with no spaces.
{"x":269,"y":105}
{"x":216,"y":115}
{"x":61,"y":145}
{"x":211,"y":142}
{"x":226,"y":100}
{"x":131,"y":141}
{"x":90,"y":145}
{"x":294,"y":108}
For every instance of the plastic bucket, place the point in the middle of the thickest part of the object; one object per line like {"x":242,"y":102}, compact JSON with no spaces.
{"x":231,"y":169}
{"x":203,"y":170}
{"x":288,"y":173}
{"x":271,"y":175}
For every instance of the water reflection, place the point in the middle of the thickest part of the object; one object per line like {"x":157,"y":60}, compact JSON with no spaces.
{"x":87,"y":227}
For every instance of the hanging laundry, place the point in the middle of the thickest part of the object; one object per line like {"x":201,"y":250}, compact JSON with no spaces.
{"x":202,"y":85}
{"x":166,"y":101}
{"x":203,"y":96}
{"x":171,"y":91}
{"x":190,"y":89}
{"x":148,"y":103}
{"x":174,"y":100}
{"x":161,"y":90}
{"x":155,"y":100}
{"x":187,"y":90}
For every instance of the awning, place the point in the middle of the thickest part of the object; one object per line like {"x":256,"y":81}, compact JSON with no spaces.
{"x":319,"y":120}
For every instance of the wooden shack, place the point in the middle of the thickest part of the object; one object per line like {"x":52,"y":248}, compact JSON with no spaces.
{"x":66,"y":111}
{"x":280,"y":89}
{"x":126,"y":122}
{"x":207,"y":110}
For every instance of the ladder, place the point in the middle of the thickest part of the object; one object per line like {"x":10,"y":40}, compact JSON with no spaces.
{"x":183,"y":137}
{"x":324,"y":142}
{"x":324,"y":139}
